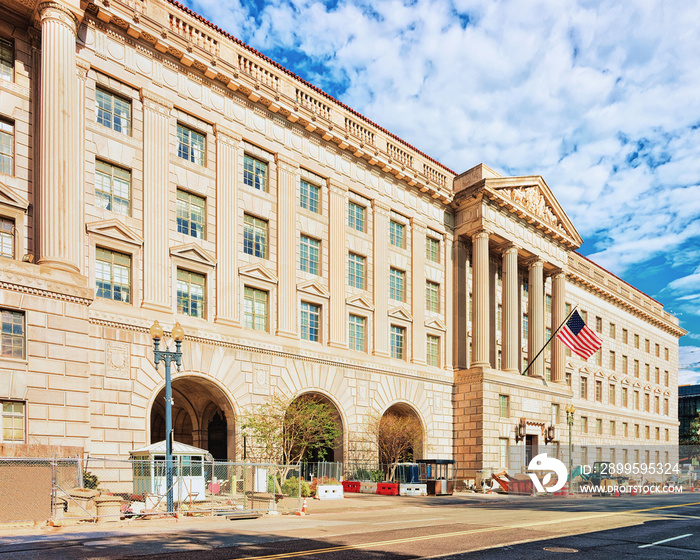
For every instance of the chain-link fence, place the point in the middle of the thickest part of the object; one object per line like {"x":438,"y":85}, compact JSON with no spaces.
{"x":101,"y":490}
{"x":323,"y":471}
{"x":384,"y":472}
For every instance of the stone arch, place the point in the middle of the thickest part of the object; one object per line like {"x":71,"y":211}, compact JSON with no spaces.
{"x":335,"y":453}
{"x":406,"y":409}
{"x":204,"y":414}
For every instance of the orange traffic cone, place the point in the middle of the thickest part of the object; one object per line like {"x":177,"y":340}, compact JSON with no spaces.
{"x":303,"y":509}
{"x":617,"y":493}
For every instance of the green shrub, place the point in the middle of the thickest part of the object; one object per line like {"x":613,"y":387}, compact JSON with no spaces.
{"x":90,"y":480}
{"x":291,"y":488}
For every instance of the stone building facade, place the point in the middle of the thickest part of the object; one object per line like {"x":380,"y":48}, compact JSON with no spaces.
{"x":156,"y":168}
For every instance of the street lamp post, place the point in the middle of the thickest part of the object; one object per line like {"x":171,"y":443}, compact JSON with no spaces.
{"x":168,"y":356}
{"x":570,"y":409}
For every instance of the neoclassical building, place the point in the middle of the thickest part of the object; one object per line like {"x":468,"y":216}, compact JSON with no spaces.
{"x":154,"y":167}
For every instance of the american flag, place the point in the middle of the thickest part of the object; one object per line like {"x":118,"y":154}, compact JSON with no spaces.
{"x":577,"y":336}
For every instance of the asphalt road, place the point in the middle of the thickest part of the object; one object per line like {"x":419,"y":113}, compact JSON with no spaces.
{"x":467,"y":526}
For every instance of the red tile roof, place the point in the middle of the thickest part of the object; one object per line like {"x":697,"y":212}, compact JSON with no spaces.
{"x":303,"y":81}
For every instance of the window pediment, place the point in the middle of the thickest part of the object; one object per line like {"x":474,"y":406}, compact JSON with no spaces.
{"x":258,"y":272}
{"x":360,"y":301}
{"x":436,"y":323}
{"x":194,"y":253}
{"x":115,"y":229}
{"x":400,"y":313}
{"x":9,"y":197}
{"x":313,"y":287}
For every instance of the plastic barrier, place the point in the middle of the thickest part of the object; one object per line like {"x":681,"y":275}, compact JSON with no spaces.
{"x":351,"y":486}
{"x":388,"y":488}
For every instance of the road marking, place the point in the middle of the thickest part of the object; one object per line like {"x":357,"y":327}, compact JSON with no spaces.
{"x":666,"y":540}
{"x":405,"y":521}
{"x":316,"y":551}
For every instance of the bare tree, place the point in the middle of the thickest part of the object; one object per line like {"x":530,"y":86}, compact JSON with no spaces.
{"x":398,"y":436}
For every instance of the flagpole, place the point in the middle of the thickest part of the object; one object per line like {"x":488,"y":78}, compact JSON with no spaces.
{"x":550,"y":338}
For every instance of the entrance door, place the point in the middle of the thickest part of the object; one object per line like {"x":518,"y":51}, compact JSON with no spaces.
{"x":217,"y":437}
{"x":530,"y":448}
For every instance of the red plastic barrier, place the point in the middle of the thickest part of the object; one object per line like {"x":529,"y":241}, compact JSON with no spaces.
{"x":388,"y":488}
{"x":351,"y":486}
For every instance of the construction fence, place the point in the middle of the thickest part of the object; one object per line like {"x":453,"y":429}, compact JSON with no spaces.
{"x":75,"y":490}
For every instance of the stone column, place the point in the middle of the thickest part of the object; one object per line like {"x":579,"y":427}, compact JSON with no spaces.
{"x":338,"y":258}
{"x":418,"y":231}
{"x":558,"y":316}
{"x":449,"y":282}
{"x":535,"y":313}
{"x":60,"y":185}
{"x":480,"y":294}
{"x":461,"y":305}
{"x":511,"y":322}
{"x":287,"y":243}
{"x":157,"y":222}
{"x":227,"y":290}
{"x":381,"y":279}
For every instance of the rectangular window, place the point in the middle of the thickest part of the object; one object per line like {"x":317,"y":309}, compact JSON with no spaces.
{"x":309,"y":255}
{"x":666,"y":433}
{"x":636,"y":368}
{"x":7,"y":238}
{"x":624,"y":397}
{"x":611,"y":394}
{"x":112,"y":188}
{"x":310,"y":321}
{"x":657,"y":405}
{"x":191,"y":214}
{"x":12,"y":421}
{"x":598,"y":325}
{"x":310,"y":197}
{"x":647,"y":408}
{"x":548,"y":303}
{"x":555,"y":413}
{"x":356,"y":216}
{"x":7,"y":61}
{"x":657,"y":350}
{"x":190,"y":293}
{"x":625,"y":429}
{"x":396,"y":234}
{"x":636,"y":400}
{"x":7,"y":147}
{"x":398,"y":335}
{"x":599,"y":391}
{"x":647,"y":434}
{"x":646,"y":345}
{"x":12,"y":341}
{"x":612,"y":427}
{"x":113,"y":111}
{"x":432,"y":296}
{"x":356,"y":333}
{"x":625,"y":336}
{"x":666,"y":354}
{"x":636,"y":341}
{"x":612,"y":330}
{"x":432,"y":249}
{"x":636,"y":431}
{"x":433,"y":350}
{"x":584,"y":424}
{"x":666,"y":378}
{"x":666,"y":407}
{"x":255,"y":305}
{"x":612,"y":360}
{"x":657,"y":376}
{"x":397,"y":284}
{"x":599,"y":357}
{"x":647,"y":370}
{"x":503,"y":452}
{"x":190,"y":145}
{"x":503,"y":406}
{"x":525,"y":326}
{"x":254,"y":173}
{"x":584,"y":388}
{"x":113,"y":275}
{"x":584,"y":316}
{"x":598,"y":426}
{"x":624,"y":364}
{"x":356,"y":271}
{"x":254,"y":236}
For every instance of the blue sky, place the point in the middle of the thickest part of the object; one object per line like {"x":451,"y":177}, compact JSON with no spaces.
{"x":601,"y":98}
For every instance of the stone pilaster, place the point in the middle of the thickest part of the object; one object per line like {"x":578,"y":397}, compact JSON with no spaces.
{"x":511,"y":323}
{"x":418,"y":301}
{"x":381,"y":279}
{"x":558,"y":316}
{"x":460,"y":304}
{"x":156,"y":223}
{"x":60,"y":183}
{"x":449,"y":280}
{"x":338,"y":259}
{"x":480,"y":301}
{"x":288,"y":240}
{"x":227,"y":228}
{"x":83,"y":69}
{"x":535,"y":313}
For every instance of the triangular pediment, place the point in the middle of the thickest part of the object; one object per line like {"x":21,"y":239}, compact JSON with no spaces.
{"x":194,"y":253}
{"x":360,"y":301}
{"x":258,"y":272}
{"x":10,"y":197}
{"x":599,"y":374}
{"x":115,"y":229}
{"x":313,"y":287}
{"x":625,"y":381}
{"x":400,"y":313}
{"x":533,"y":200}
{"x":436,"y":323}
{"x":637,"y":384}
{"x":584,"y":369}
{"x":612,"y":378}
{"x":657,"y":390}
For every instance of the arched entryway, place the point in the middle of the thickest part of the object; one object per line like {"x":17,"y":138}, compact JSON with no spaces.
{"x":202,"y":416}
{"x":400,"y":435}
{"x":333,"y":450}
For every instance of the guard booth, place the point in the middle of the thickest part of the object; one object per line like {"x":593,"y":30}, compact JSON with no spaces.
{"x":189,"y":479}
{"x":438,"y":475}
